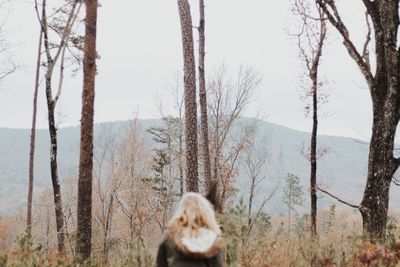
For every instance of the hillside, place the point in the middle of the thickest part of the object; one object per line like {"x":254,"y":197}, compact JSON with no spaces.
{"x":342,"y":170}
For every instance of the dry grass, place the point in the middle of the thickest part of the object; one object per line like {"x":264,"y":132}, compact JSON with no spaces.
{"x":339,"y":243}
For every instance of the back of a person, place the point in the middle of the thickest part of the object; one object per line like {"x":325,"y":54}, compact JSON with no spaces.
{"x":193,"y":237}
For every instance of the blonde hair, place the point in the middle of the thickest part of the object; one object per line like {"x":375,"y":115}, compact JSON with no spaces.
{"x":194,"y":212}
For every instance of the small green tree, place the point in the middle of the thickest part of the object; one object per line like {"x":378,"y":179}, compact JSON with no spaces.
{"x":292,"y":194}
{"x":166,"y":163}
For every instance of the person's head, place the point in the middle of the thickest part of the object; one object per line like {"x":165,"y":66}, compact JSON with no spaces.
{"x":193,"y":212}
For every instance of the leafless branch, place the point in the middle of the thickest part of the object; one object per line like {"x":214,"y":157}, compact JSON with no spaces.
{"x":365,"y":53}
{"x":61,"y":79}
{"x":338,"y":199}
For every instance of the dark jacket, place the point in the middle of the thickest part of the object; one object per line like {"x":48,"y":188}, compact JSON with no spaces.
{"x":172,"y":253}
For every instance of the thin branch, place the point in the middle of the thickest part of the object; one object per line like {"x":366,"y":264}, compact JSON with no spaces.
{"x":155,"y":215}
{"x":68,"y":26}
{"x":60,"y":81}
{"x":8,"y":72}
{"x":338,"y":199}
{"x":396,"y":181}
{"x":365,"y":53}
{"x":264,"y":202}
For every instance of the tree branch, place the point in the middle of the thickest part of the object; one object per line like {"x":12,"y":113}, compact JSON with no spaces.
{"x":338,"y":199}
{"x":68,"y":26}
{"x":61,"y":79}
{"x":330,"y":10}
{"x":396,"y":181}
{"x":365,"y":53}
{"x":8,"y":72}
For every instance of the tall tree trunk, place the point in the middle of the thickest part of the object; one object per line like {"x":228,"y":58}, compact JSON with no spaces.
{"x":203,"y":99}
{"x":33,"y":138}
{"x":313,"y":161}
{"x":381,"y":168}
{"x":192,"y":184}
{"x":84,"y":216}
{"x":54,"y":166}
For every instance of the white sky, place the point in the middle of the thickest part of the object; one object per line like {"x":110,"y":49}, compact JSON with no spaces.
{"x":140,"y":48}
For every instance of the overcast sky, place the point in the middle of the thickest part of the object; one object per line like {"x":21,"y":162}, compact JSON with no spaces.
{"x":140,"y":48}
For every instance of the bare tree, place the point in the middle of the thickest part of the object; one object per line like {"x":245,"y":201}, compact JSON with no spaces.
{"x":310,"y":42}
{"x":385,"y":94}
{"x":109,"y":174}
{"x":229,"y":96}
{"x":255,"y":159}
{"x":63,"y":29}
{"x":33,"y":138}
{"x":203,"y":100}
{"x":192,"y":183}
{"x":84,"y":216}
{"x":135,"y":195}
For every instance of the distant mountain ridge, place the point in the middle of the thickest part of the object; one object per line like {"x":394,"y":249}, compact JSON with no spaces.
{"x":342,"y":170}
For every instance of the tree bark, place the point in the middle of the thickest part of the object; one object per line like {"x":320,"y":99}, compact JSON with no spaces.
{"x":33,"y":138}
{"x":203,"y":100}
{"x":84,"y":216}
{"x":381,"y":168}
{"x":53,"y":166}
{"x":190,"y":97}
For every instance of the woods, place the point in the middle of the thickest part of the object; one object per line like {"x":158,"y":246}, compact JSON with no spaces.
{"x":104,"y":191}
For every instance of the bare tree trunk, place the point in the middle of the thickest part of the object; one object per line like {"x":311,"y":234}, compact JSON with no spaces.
{"x":381,"y":168}
{"x":84,"y":216}
{"x":203,"y":100}
{"x":313,"y":160}
{"x":54,"y":168}
{"x":310,"y":42}
{"x":314,"y":134}
{"x":192,"y":184}
{"x":33,"y":138}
